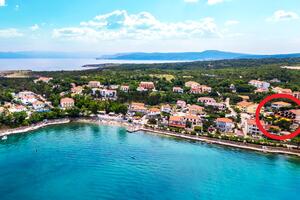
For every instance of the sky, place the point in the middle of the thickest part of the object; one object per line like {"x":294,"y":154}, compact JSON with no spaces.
{"x":111,"y":26}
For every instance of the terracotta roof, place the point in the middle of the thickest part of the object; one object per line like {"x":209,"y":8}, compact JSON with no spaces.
{"x":282,"y":103}
{"x":196,"y":107}
{"x":192,"y":117}
{"x":67,"y":100}
{"x":296,"y":112}
{"x":176,"y":118}
{"x":206,"y":98}
{"x":244,"y":104}
{"x":154,"y":110}
{"x":253,"y":122}
{"x":225,"y":120}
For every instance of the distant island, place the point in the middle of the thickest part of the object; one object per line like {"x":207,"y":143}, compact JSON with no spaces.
{"x":192,"y":56}
{"x":208,"y":55}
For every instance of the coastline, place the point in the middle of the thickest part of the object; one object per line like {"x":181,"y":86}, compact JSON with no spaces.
{"x":245,"y":146}
{"x":33,"y":127}
{"x":136,"y":128}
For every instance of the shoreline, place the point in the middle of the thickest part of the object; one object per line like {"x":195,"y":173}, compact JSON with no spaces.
{"x":136,"y":128}
{"x":33,"y":127}
{"x":227,"y":143}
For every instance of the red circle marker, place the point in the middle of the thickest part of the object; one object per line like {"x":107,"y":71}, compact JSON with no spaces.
{"x":263,"y":130}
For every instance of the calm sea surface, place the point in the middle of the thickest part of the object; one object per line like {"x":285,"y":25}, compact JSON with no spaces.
{"x":59,"y":64}
{"x":80,"y":161}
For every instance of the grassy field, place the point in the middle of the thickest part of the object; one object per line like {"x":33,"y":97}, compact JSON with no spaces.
{"x":168,"y":77}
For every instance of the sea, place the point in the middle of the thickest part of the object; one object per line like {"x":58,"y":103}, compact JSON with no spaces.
{"x":84,"y":162}
{"x":65,"y":64}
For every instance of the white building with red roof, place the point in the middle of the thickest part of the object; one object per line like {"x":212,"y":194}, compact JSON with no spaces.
{"x":43,"y":79}
{"x":205,"y":100}
{"x":147,"y":86}
{"x":280,"y":90}
{"x":181,"y":104}
{"x":67,"y":103}
{"x":177,"y":121}
{"x":94,"y":84}
{"x":224,"y":125}
{"x":177,"y":90}
{"x":252,"y":128}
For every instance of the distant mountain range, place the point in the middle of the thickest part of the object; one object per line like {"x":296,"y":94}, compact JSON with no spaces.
{"x":180,"y":56}
{"x":44,"y":54}
{"x":193,"y":56}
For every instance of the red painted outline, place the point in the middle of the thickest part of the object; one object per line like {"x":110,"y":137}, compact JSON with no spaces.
{"x":262,"y":129}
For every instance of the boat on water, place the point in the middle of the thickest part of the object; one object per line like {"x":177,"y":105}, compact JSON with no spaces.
{"x":4,"y":138}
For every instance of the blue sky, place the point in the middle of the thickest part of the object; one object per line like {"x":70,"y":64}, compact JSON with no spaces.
{"x":250,"y":26}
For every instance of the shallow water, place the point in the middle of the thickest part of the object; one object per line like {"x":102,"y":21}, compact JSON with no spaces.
{"x":81,"y":161}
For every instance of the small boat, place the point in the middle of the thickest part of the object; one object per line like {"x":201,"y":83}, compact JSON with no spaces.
{"x":4,"y":138}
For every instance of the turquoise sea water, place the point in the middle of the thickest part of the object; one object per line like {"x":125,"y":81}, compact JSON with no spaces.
{"x":81,"y":161}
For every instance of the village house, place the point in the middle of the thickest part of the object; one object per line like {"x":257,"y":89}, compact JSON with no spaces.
{"x":38,"y":105}
{"x":260,"y":84}
{"x":124,"y":88}
{"x":153,"y":112}
{"x":137,"y":108}
{"x":200,"y":89}
{"x":77,"y":90}
{"x":146,"y":86}
{"x":280,"y":90}
{"x":67,"y":103}
{"x":280,"y":104}
{"x":251,"y":109}
{"x":105,"y":93}
{"x":177,"y":121}
{"x":261,"y":90}
{"x":206,"y":100}
{"x":193,"y":119}
{"x":243,"y":105}
{"x":28,"y":99}
{"x":108,"y":94}
{"x":43,"y":79}
{"x":195,"y":110}
{"x":181,"y":104}
{"x":114,"y":87}
{"x":17,"y":108}
{"x":192,"y":84}
{"x":166,"y":108}
{"x":224,"y":125}
{"x":219,"y":106}
{"x":94,"y":84}
{"x":251,"y":128}
{"x":177,"y":90}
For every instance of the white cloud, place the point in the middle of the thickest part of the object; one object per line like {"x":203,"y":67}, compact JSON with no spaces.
{"x":35,"y":27}
{"x":10,"y":33}
{"x":2,"y":2}
{"x":191,"y":1}
{"x":213,"y":2}
{"x":282,"y":15}
{"x":120,"y":25}
{"x":231,"y":22}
